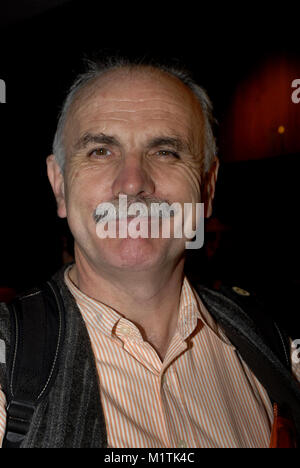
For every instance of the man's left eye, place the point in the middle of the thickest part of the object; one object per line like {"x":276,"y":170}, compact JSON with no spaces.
{"x":167,"y":153}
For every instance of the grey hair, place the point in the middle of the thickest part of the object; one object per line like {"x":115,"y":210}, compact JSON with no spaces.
{"x":95,"y":69}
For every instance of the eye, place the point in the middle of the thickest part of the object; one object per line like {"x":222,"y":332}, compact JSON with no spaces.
{"x":167,"y":154}
{"x":100,"y":152}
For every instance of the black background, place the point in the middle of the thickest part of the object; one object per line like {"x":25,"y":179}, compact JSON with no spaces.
{"x":42,"y":45}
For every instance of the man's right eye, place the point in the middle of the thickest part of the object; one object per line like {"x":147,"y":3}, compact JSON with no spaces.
{"x":100,"y":152}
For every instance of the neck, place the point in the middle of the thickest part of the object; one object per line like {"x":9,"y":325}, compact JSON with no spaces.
{"x":149,"y":299}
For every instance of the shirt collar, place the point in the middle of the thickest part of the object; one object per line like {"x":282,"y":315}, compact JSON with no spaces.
{"x":103,"y":317}
{"x":95,"y":313}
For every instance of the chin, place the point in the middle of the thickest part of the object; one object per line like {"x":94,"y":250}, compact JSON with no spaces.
{"x":134,"y":254}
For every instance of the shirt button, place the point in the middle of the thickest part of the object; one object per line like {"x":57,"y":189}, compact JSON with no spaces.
{"x":181,"y":444}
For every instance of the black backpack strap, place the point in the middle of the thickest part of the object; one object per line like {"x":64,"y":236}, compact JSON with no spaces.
{"x":261,"y":342}
{"x":37,"y":335}
{"x":264,"y":315}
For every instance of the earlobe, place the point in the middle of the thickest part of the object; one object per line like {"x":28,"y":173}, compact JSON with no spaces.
{"x":56,"y":180}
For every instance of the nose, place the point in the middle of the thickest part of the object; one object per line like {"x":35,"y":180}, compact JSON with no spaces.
{"x":133,"y":178}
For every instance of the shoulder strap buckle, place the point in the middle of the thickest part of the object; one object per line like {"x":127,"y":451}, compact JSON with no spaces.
{"x":18,"y":421}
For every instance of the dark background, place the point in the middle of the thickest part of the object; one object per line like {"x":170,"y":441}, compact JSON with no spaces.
{"x":245,"y":56}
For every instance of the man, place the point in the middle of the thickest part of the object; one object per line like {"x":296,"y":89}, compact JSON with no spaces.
{"x":162,"y":372}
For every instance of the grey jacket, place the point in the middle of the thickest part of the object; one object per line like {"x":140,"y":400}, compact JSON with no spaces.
{"x":71,"y":416}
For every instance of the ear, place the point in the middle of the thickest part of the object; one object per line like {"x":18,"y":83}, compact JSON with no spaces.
{"x":210,"y":186}
{"x":56,"y":180}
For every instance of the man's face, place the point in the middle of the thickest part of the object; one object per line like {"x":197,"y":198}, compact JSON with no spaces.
{"x":133,"y":133}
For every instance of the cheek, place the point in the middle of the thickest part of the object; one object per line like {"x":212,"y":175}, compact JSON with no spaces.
{"x":185,"y":184}
{"x":89,"y":182}
{"x":84,"y":191}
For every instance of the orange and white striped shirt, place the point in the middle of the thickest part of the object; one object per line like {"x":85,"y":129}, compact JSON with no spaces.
{"x":201,"y":395}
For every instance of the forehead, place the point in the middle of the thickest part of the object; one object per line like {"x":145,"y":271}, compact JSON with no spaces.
{"x":134,"y":99}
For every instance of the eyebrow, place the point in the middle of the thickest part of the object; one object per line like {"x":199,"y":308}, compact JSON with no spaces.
{"x":175,"y":142}
{"x":101,"y":138}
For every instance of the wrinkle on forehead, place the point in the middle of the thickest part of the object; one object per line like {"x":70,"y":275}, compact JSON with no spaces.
{"x":120,"y":92}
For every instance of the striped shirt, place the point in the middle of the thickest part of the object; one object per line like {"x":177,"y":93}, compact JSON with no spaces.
{"x":201,"y":395}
